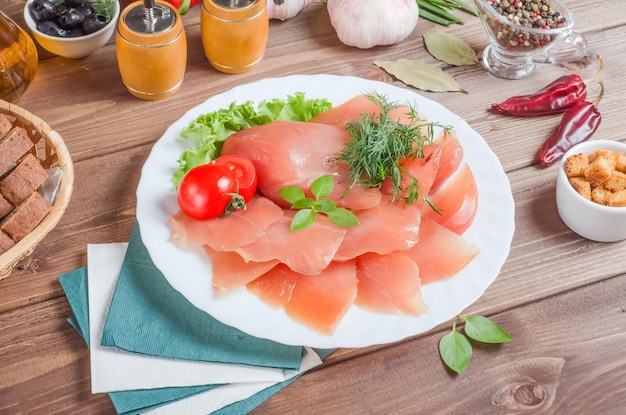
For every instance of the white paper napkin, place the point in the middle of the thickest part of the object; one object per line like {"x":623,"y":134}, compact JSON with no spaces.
{"x":113,"y":369}
{"x":214,"y":399}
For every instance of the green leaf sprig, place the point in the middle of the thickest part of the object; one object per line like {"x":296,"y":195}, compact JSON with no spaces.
{"x":437,"y":11}
{"x":379,"y":145}
{"x":105,"y":8}
{"x":455,"y":348}
{"x":309,"y":207}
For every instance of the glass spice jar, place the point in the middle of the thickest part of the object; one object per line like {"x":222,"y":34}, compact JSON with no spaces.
{"x":18,"y":59}
{"x":234,"y":33}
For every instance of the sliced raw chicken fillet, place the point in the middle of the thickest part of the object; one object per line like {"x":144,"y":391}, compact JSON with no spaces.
{"x":386,"y":228}
{"x":423,"y":169}
{"x":307,"y":251}
{"x":230,"y":271}
{"x":290,"y":153}
{"x":227,"y":233}
{"x":456,"y":200}
{"x":318,"y":301}
{"x":440,"y":253}
{"x":359,"y":106}
{"x":389,"y":284}
{"x":451,"y":157}
{"x":347,"y":112}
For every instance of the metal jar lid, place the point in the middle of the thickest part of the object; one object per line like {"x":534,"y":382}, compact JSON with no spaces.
{"x":155,"y":19}
{"x":235,"y":4}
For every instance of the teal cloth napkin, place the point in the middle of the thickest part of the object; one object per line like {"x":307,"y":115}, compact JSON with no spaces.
{"x":148,"y":316}
{"x":134,"y":402}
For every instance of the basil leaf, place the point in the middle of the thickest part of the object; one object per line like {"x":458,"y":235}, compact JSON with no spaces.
{"x":322,"y":186}
{"x":484,"y":330}
{"x":302,"y":219}
{"x":455,"y":350}
{"x":303,"y":203}
{"x":291,"y":194}
{"x":325,"y":205}
{"x":343,"y":217}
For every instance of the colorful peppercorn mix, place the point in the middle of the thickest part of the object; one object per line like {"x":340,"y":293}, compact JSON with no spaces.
{"x":525,"y":14}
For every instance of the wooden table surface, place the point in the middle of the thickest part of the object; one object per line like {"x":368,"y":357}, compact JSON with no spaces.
{"x":562,"y":297}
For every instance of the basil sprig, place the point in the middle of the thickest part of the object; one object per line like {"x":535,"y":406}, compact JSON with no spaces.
{"x":455,"y":348}
{"x":309,"y":207}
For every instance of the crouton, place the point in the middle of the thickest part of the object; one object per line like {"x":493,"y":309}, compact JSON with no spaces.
{"x":13,"y":147}
{"x":23,"y":180}
{"x":616,"y":182}
{"x":576,"y":165}
{"x":620,"y":162}
{"x":5,"y":125}
{"x":6,"y":242}
{"x":5,"y":207}
{"x":607,"y":154}
{"x":25,"y":217}
{"x":599,"y":171}
{"x":617,"y":198}
{"x":600,"y":195}
{"x":582,"y":186}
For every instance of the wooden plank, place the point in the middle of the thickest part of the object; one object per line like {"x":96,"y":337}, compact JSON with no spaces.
{"x":550,"y":368}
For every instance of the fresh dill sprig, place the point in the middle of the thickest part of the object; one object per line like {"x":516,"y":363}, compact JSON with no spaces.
{"x":104,"y":7}
{"x":380,"y":143}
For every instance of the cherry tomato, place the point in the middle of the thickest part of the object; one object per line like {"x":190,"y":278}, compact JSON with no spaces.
{"x":243,"y":170}
{"x":205,"y":192}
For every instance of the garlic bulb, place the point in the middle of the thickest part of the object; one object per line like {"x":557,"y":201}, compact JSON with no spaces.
{"x":285,"y":9}
{"x":368,"y":23}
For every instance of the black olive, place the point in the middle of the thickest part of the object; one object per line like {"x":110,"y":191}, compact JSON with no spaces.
{"x":50,"y":28}
{"x":61,"y":9}
{"x":76,"y":32}
{"x":94,"y":23}
{"x":74,"y":3}
{"x":72,"y":18}
{"x":87,"y":9}
{"x":43,"y":10}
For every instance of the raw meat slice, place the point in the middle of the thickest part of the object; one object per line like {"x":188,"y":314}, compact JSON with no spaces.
{"x":451,"y":157}
{"x":440,"y":253}
{"x":456,"y":200}
{"x":290,"y":153}
{"x":318,"y":301}
{"x":349,"y":111}
{"x":307,"y":251}
{"x":358,"y":106}
{"x":423,"y":169}
{"x":386,"y":228}
{"x":230,"y":271}
{"x":227,"y":233}
{"x":389,"y":284}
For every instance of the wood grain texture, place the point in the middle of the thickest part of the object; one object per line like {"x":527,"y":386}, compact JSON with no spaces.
{"x":560,"y":296}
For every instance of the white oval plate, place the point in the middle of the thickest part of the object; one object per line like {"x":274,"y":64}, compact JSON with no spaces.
{"x":190,"y":273}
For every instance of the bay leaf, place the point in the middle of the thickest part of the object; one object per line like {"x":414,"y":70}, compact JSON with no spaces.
{"x":421,"y":75}
{"x":449,"y":49}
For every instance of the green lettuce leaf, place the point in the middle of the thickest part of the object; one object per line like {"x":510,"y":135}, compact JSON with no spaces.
{"x":208,"y":131}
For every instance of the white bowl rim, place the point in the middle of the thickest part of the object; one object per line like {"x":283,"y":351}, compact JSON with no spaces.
{"x":30,"y":22}
{"x":578,"y":149}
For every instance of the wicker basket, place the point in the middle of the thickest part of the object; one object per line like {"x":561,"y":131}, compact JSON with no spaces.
{"x":51,"y":151}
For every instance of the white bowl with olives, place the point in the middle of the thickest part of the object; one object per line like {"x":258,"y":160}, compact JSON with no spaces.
{"x":71,"y":28}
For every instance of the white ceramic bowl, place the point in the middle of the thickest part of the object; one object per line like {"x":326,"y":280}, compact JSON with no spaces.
{"x":72,"y":47}
{"x":589,"y":219}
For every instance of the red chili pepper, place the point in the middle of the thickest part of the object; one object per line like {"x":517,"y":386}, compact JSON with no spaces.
{"x":555,"y":97}
{"x":577,"y":125}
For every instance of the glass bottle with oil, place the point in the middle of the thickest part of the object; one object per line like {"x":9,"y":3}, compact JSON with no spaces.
{"x":18,"y":59}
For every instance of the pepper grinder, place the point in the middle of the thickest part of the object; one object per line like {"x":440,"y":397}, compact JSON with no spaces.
{"x":151,"y":48}
{"x":234,"y":33}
